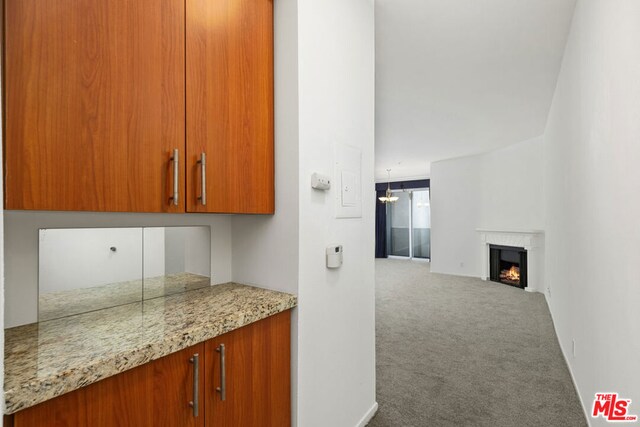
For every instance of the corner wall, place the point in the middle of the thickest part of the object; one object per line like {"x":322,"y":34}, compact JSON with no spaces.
{"x":592,"y":182}
{"x":502,"y":189}
{"x":336,"y":316}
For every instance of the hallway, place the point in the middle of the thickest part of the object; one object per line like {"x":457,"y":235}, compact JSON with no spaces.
{"x":454,"y":351}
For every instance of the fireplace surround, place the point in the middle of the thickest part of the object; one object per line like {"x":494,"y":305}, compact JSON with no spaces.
{"x":531,"y":241}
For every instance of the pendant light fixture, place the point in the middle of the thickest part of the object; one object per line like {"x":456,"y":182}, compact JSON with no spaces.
{"x":388,"y":198}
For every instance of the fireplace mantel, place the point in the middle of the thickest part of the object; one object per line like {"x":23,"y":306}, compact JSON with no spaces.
{"x":531,"y":240}
{"x":513,"y":231}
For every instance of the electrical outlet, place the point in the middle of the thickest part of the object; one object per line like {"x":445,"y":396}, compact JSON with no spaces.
{"x":461,"y":264}
{"x":573,"y":349}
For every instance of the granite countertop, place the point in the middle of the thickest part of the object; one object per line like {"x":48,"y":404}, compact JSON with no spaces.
{"x":47,"y":359}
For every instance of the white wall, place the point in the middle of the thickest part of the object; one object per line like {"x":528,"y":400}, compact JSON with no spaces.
{"x":82,"y":258}
{"x":400,"y":178}
{"x":21,"y":249}
{"x":512,"y":195}
{"x":336,"y":384}
{"x":456,"y":206}
{"x":592,"y":182}
{"x":500,"y":189}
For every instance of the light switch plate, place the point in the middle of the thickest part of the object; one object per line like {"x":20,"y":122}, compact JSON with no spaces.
{"x":349,"y":189}
{"x":348,"y":170}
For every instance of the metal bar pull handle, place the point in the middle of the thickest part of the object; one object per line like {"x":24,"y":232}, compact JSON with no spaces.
{"x":203,"y":171}
{"x":176,"y":170}
{"x":195,"y":403}
{"x":223,"y":376}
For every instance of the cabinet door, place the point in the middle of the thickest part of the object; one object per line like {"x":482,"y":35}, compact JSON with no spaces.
{"x":230,"y":105}
{"x":95,"y":405}
{"x":173,"y":393}
{"x":257,"y":378}
{"x":65,"y":411}
{"x":94,"y":104}
{"x":125,"y":399}
{"x":152,"y":395}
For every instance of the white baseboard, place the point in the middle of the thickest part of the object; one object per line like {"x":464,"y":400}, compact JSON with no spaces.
{"x":367,"y":417}
{"x":566,"y":360}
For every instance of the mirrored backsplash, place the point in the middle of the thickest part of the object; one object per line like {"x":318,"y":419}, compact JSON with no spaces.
{"x":176,"y":259}
{"x":86,"y":269}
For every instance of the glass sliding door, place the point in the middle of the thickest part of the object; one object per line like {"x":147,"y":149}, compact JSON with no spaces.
{"x":421,"y":224}
{"x":399,"y":225}
{"x":409,"y":224}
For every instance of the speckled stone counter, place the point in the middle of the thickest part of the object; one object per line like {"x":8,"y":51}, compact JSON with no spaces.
{"x":44,"y":360}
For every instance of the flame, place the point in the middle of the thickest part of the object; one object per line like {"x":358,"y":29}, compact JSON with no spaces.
{"x":512,"y":274}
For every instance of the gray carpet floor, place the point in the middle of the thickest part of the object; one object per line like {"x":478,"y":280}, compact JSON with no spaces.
{"x":458,"y":351}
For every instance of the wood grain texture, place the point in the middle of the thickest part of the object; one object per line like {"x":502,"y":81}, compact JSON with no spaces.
{"x":156,"y":394}
{"x":234,"y":411}
{"x":271,"y":355}
{"x":65,"y":411}
{"x":229,"y":62}
{"x":94,"y":104}
{"x":124,"y":399}
{"x":258,"y":376}
{"x":173,"y":389}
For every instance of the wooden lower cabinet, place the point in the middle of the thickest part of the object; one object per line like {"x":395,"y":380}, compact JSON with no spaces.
{"x":257,"y":387}
{"x":155,"y":394}
{"x":257,"y":376}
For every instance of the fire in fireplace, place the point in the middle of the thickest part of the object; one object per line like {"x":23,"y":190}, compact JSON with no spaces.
{"x":508,"y":265}
{"x":512,"y":275}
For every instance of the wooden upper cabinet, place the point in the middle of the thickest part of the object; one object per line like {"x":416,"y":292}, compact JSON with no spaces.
{"x":95,"y":104}
{"x":229,"y":62}
{"x":99,"y":93}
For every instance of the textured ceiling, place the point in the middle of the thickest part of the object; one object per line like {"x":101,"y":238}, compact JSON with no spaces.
{"x":459,"y":77}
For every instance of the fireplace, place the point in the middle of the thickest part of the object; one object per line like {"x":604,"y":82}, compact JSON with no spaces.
{"x":508,"y":265}
{"x":528,"y":244}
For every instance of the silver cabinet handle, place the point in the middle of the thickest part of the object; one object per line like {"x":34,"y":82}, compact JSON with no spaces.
{"x":175,"y":159}
{"x":223,"y":376}
{"x":203,"y":171}
{"x":195,"y":403}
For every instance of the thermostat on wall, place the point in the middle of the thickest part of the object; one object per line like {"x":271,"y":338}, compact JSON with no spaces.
{"x":334,"y":256}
